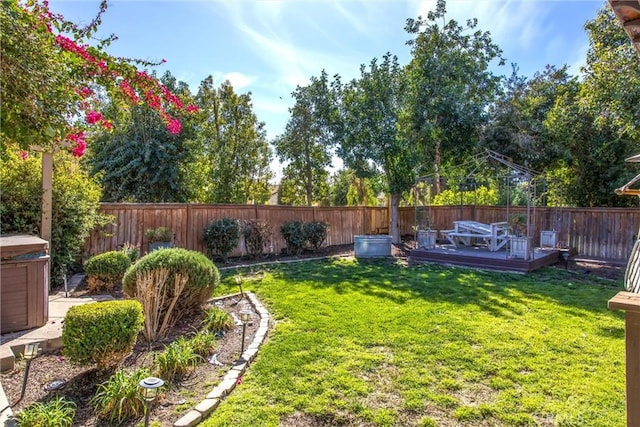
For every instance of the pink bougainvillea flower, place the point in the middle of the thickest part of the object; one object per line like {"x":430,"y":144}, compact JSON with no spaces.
{"x":93,"y":117}
{"x":81,"y":145}
{"x":174,"y":127}
{"x":85,"y":91}
{"x":23,"y":155}
{"x":79,"y":149}
{"x":76,"y":137}
{"x":239,"y":381}
{"x":152,"y":99}
{"x":128,"y":91}
{"x":192,"y":109}
{"x":106,"y":124}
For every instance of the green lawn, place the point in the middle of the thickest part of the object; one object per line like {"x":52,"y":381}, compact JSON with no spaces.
{"x":378,"y":344}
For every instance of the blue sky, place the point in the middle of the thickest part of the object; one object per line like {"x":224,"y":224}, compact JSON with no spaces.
{"x":267,"y":47}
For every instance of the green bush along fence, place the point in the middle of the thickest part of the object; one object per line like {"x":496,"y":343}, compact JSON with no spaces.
{"x":606,"y":233}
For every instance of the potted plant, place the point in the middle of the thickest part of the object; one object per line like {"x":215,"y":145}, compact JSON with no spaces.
{"x":159,"y":237}
{"x":425,"y":237}
{"x":518,"y":225}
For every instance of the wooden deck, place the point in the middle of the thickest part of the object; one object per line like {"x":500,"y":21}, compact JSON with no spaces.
{"x":481,"y":257}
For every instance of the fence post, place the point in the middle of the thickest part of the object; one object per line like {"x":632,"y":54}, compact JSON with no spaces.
{"x":630,"y":303}
{"x":187,"y":229}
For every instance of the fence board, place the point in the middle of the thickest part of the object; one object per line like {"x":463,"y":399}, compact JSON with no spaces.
{"x":594,"y":232}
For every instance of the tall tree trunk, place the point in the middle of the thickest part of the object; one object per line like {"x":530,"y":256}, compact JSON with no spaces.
{"x":394,"y":226}
{"x":436,"y":167}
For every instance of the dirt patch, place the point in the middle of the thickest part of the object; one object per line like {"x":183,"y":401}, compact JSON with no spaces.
{"x":603,"y":269}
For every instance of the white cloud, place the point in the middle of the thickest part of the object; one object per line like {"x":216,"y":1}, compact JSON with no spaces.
{"x":238,"y":80}
{"x":510,"y":22}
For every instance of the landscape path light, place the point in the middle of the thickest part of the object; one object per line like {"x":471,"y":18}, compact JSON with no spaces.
{"x":150,"y":386}
{"x":245,"y":317}
{"x":30,"y":352}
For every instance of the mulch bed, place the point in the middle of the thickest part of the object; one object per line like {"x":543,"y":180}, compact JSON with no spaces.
{"x":80,"y":383}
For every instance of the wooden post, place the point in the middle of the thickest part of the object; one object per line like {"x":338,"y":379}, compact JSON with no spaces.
{"x":47,"y":207}
{"x":630,"y":303}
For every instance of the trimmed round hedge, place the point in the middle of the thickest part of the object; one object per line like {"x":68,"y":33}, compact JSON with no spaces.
{"x":202,"y":273}
{"x":101,"y":333}
{"x":107,"y":268}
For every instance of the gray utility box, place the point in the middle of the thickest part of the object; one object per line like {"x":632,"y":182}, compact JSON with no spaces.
{"x":368,"y":246}
{"x":24,"y":284}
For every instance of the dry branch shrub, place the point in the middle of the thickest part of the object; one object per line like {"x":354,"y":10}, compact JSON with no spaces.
{"x":200,"y":275}
{"x":159,"y":296}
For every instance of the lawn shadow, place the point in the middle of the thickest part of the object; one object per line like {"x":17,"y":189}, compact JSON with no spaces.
{"x":499,"y":293}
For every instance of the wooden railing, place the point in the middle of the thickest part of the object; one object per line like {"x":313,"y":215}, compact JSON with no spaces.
{"x":607,"y":233}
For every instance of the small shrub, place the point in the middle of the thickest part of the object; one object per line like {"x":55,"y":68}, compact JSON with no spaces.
{"x":160,"y":234}
{"x":104,"y":271}
{"x":202,"y":276}
{"x":216,"y":320}
{"x":316,"y":233}
{"x":203,"y":343}
{"x":221,"y":237}
{"x":294,"y":236}
{"x":177,"y":360}
{"x":256,"y":236}
{"x":131,"y":251}
{"x":119,"y":398}
{"x":58,"y":412}
{"x":101,"y":333}
{"x":427,"y":422}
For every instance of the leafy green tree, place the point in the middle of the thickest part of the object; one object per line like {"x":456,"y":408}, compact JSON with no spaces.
{"x":339,"y":184}
{"x":141,"y":161}
{"x":75,"y":205}
{"x":305,"y":146}
{"x":368,"y":129}
{"x":450,"y":86}
{"x":599,"y":121}
{"x":516,"y":126}
{"x":347,"y":189}
{"x":234,"y":154}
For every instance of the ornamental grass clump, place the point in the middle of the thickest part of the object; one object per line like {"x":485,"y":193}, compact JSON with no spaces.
{"x":217,"y":320}
{"x":102,"y":333}
{"x":58,"y":412}
{"x":190,"y":280}
{"x":119,"y":398}
{"x":177,"y":360}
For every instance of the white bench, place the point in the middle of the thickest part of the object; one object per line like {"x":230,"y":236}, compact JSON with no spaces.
{"x":495,"y":235}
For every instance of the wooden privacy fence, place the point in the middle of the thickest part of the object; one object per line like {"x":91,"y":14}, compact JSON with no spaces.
{"x":595,"y":232}
{"x":607,"y":233}
{"x":188,"y":221}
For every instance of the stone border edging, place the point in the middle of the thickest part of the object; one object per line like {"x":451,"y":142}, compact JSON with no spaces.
{"x":230,"y":380}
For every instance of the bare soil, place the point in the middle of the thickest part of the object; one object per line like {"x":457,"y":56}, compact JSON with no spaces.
{"x":80,"y":383}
